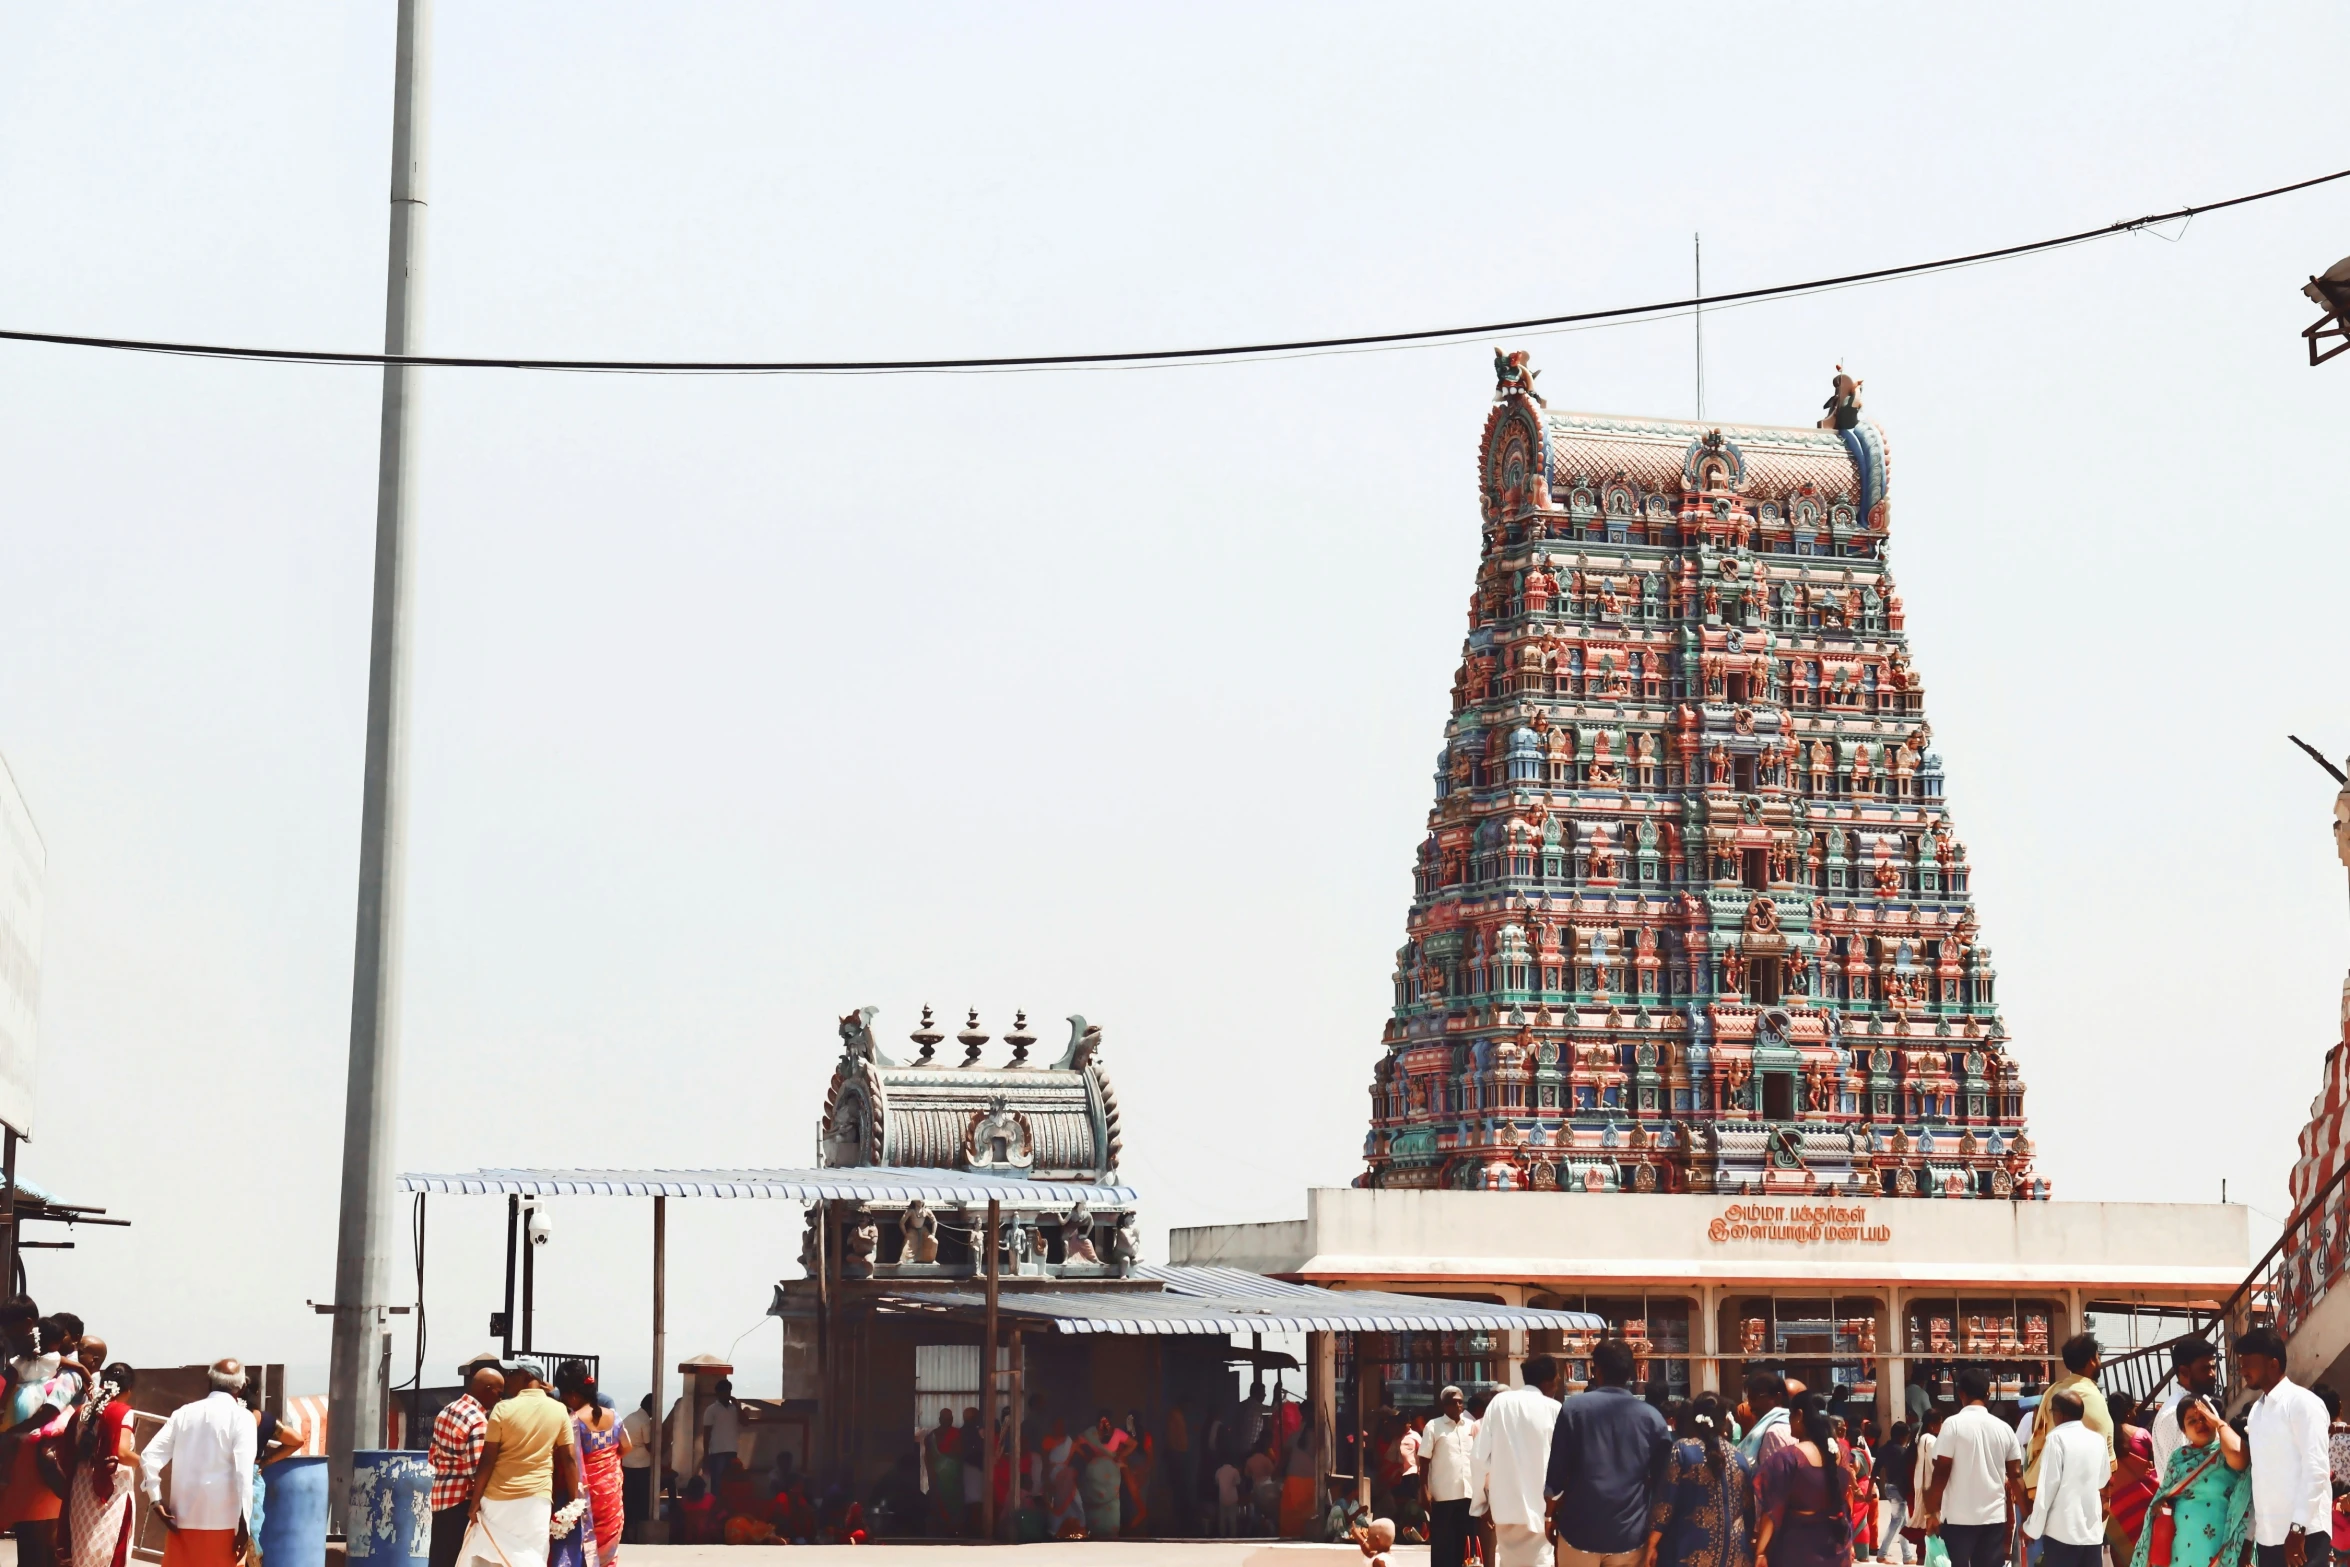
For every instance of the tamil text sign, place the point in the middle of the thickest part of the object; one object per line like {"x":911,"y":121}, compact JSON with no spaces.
{"x":1796,"y":1224}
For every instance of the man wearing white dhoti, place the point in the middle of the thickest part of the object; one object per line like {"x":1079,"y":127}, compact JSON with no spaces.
{"x":528,"y":1466}
{"x":208,"y":1446}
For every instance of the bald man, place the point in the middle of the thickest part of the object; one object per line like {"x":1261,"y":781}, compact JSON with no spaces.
{"x":208,"y":1447}
{"x":458,"y":1433}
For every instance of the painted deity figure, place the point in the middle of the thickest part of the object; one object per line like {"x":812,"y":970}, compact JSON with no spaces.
{"x":1077,"y":1235}
{"x":1512,"y":373}
{"x":919,"y":1227}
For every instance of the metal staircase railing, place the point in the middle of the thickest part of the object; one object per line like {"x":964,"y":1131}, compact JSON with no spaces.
{"x":2283,"y":1288}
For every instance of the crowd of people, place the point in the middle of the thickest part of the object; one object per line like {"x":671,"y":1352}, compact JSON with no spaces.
{"x":524,"y":1474}
{"x":70,"y":1461}
{"x":528,"y":1474}
{"x":1242,"y":1470}
{"x":1613,"y":1477}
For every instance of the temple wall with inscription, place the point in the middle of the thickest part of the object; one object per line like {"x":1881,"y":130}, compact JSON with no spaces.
{"x":1880,"y":1299}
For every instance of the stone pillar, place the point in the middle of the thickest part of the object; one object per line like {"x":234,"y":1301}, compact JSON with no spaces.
{"x":1708,"y":1339}
{"x":1893,"y":1368}
{"x":1370,"y":1393}
{"x":1322,"y":1406}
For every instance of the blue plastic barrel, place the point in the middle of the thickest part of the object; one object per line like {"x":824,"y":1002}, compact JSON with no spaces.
{"x":293,"y":1513}
{"x":390,"y":1521}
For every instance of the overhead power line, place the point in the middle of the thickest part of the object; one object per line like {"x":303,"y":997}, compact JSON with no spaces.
{"x":1156,"y":356}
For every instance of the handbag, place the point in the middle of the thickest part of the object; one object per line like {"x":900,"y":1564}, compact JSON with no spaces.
{"x":2163,"y":1525}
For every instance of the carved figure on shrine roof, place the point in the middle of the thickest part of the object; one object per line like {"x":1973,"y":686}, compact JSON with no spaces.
{"x":1512,"y":373}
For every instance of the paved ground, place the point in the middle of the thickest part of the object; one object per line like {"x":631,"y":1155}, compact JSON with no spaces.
{"x":1067,"y":1553}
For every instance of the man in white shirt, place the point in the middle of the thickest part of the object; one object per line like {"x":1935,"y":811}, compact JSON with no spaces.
{"x":722,"y":1428}
{"x":636,"y":1472}
{"x":1978,"y":1476}
{"x":2068,"y":1508}
{"x":208,"y":1446}
{"x":2195,"y":1367}
{"x":1511,"y":1462}
{"x":2292,"y":1493}
{"x":1447,"y":1447}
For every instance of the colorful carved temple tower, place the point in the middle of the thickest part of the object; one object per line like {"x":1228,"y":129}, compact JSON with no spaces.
{"x":1690,"y":914}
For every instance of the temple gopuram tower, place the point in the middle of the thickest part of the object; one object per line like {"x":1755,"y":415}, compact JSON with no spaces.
{"x":1690,"y":914}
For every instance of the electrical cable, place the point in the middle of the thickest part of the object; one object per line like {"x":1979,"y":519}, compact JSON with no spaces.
{"x":1154,"y":357}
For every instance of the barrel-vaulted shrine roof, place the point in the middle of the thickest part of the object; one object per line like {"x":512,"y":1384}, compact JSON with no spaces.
{"x":1769,"y":462}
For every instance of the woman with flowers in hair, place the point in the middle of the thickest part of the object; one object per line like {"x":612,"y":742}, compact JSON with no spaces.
{"x":1703,"y":1515}
{"x":98,"y":1448}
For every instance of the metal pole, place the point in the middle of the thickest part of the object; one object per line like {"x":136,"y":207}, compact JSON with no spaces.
{"x":530,"y":1267}
{"x":362,"y":1242}
{"x":987,"y":1377}
{"x":1697,"y":260}
{"x":826,"y":1339}
{"x":1019,"y":1375}
{"x":513,"y":1228}
{"x":8,"y":1214}
{"x":660,"y":1346}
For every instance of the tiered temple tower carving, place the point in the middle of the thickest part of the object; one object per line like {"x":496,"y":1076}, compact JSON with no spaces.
{"x":1690,"y":914}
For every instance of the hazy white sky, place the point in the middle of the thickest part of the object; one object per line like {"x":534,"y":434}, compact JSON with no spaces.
{"x":744,"y":702}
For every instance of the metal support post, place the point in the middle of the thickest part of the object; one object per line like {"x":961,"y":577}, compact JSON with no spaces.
{"x":988,"y":1379}
{"x":661,"y":1440}
{"x":365,"y":1228}
{"x":827,"y":1341}
{"x":513,"y":1238}
{"x":8,"y":1217}
{"x":530,"y":1273}
{"x":1019,"y":1397}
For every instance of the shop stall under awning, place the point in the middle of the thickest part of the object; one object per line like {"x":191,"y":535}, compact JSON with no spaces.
{"x":862,"y":1184}
{"x":1191,"y":1300}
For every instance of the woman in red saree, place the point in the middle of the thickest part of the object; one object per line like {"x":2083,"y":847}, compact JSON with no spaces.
{"x":103,"y":1460}
{"x":601,"y":1445}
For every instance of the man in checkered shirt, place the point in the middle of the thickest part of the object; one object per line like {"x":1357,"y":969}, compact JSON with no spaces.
{"x":458,"y":1432}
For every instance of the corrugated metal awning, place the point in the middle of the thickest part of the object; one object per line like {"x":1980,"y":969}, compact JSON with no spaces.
{"x":870,"y":1183}
{"x":1192,"y":1301}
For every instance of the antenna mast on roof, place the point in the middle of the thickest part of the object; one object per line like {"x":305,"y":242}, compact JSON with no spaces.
{"x":1697,"y":260}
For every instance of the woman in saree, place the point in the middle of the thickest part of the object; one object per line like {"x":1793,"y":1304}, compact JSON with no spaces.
{"x":1298,"y":1513}
{"x":99,"y":1449}
{"x":1704,"y":1510}
{"x":1860,"y":1468}
{"x":2206,"y":1493}
{"x":601,"y":1446}
{"x":2132,"y":1486}
{"x":1803,"y":1496}
{"x":1141,"y":1460}
{"x":1100,"y":1482}
{"x":943,"y":1449}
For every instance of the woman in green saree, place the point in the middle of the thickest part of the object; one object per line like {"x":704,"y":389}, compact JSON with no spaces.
{"x":2207,"y":1492}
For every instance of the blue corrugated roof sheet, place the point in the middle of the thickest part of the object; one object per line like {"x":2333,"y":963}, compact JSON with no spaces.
{"x":1227,"y":1300}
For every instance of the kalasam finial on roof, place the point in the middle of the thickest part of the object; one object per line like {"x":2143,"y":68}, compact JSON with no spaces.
{"x":927,"y":1036}
{"x":1019,"y":1039}
{"x":971,"y":1039}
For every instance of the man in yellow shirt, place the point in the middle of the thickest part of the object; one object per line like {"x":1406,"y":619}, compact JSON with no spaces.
{"x":2082,"y":1356}
{"x":528,"y":1468}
